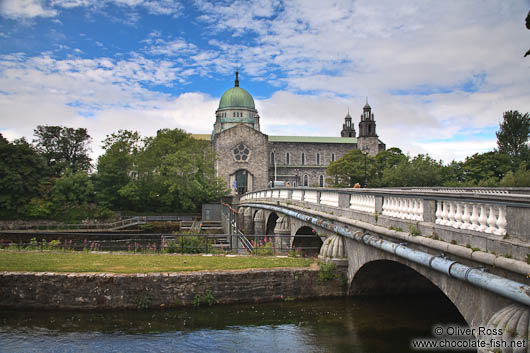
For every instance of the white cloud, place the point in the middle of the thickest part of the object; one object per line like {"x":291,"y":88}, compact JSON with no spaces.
{"x":21,"y":9}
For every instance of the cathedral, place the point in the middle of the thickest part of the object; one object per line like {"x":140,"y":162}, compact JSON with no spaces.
{"x":250,"y":160}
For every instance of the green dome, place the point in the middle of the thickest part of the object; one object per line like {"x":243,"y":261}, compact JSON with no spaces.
{"x":237,"y":97}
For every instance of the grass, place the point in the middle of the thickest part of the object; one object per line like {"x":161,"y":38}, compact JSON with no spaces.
{"x":52,"y":261}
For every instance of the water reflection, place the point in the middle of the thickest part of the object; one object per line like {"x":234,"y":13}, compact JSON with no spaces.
{"x":373,"y":324}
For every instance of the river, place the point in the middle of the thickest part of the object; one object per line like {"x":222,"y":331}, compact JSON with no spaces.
{"x":371,"y":325}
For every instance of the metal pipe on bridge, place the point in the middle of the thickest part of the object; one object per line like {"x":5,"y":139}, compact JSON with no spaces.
{"x":507,"y":288}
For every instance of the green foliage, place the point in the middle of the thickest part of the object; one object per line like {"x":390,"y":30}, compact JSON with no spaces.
{"x":171,"y":247}
{"x":21,"y":175}
{"x":520,"y":178}
{"x":349,"y":169}
{"x":397,"y":229}
{"x":206,"y":298}
{"x":413,"y":230}
{"x":328,"y":272}
{"x":486,"y":169}
{"x":63,"y":148}
{"x":169,"y":172}
{"x":264,"y":247}
{"x":116,"y":167}
{"x":513,"y":134}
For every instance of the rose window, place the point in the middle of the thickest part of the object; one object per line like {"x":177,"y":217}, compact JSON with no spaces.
{"x":241,"y":153}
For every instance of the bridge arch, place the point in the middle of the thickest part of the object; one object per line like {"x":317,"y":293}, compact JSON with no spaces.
{"x":307,"y":240}
{"x":387,"y":277}
{"x":271,"y":223}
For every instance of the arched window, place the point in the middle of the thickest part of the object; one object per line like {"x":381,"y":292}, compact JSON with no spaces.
{"x":287,"y":158}
{"x":318,"y":158}
{"x":321,"y":181}
{"x":303,"y":158}
{"x":333,"y":157}
{"x":306,"y":180}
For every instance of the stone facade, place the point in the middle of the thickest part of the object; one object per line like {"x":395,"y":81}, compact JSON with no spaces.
{"x":289,"y":166}
{"x":160,"y":290}
{"x":249,"y":160}
{"x":255,"y":165}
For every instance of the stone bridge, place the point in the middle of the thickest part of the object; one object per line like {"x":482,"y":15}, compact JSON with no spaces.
{"x":471,"y":244}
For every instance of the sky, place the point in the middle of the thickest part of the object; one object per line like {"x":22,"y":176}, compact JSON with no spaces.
{"x":438,"y":74}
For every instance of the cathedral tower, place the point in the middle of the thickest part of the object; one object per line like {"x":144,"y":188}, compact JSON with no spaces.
{"x":348,"y":130}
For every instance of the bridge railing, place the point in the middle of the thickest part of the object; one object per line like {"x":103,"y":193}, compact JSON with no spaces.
{"x":497,"y":211}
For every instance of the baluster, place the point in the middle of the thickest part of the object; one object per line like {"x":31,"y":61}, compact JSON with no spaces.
{"x":403,"y":208}
{"x":445,"y":213}
{"x":438,"y":213}
{"x":451,"y":215}
{"x":414,"y":209}
{"x":492,"y":221}
{"x":465,"y":217}
{"x":501,"y":222}
{"x":458,"y":215}
{"x":482,"y":220}
{"x":420,"y":210}
{"x":385,"y":203}
{"x":360,"y":203}
{"x":474,"y":218}
{"x":392,"y":208}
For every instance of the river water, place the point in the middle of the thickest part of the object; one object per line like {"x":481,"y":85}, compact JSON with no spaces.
{"x":371,"y":325}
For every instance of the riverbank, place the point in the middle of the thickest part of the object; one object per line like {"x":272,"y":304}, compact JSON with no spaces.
{"x":163,"y":290}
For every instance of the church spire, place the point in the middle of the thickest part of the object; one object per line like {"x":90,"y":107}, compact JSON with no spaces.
{"x":236,"y":82}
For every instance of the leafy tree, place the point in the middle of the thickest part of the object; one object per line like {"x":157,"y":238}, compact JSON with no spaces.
{"x":513,"y":134}
{"x":21,"y":171}
{"x":350,"y":169}
{"x":388,"y":161}
{"x":521,"y":177}
{"x":486,"y":169}
{"x":168,"y":172}
{"x":63,"y":148}
{"x":422,"y":170}
{"x":116,"y":167}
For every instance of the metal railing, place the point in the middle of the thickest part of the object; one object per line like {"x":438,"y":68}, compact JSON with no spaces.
{"x":157,"y":243}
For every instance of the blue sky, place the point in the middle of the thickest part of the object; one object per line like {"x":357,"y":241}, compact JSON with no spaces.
{"x":438,"y":75}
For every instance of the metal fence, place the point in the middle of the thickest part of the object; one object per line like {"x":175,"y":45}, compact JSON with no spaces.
{"x":160,"y":243}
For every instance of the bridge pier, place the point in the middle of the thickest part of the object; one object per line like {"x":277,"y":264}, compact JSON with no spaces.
{"x":283,"y":228}
{"x":259,"y":223}
{"x":248,"y":221}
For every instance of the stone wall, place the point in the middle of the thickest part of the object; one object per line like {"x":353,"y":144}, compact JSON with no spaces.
{"x":310,"y":150}
{"x":289,"y":172}
{"x":160,"y":290}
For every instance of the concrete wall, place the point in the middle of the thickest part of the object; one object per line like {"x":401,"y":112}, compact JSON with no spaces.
{"x":159,"y":290}
{"x":211,"y":212}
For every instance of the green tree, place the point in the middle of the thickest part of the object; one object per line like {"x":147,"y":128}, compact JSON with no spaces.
{"x":421,"y":170}
{"x":63,"y":148}
{"x":73,"y":197}
{"x":21,"y":175}
{"x":513,"y":135}
{"x":116,"y":167}
{"x":350,"y":169}
{"x":388,"y":161}
{"x":486,"y":169}
{"x":521,"y":177}
{"x":172,"y":172}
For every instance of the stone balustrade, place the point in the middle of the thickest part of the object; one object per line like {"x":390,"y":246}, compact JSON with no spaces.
{"x":498,"y":212}
{"x":403,"y":208}
{"x":480,"y":217}
{"x":330,"y":198}
{"x":363,"y":203}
